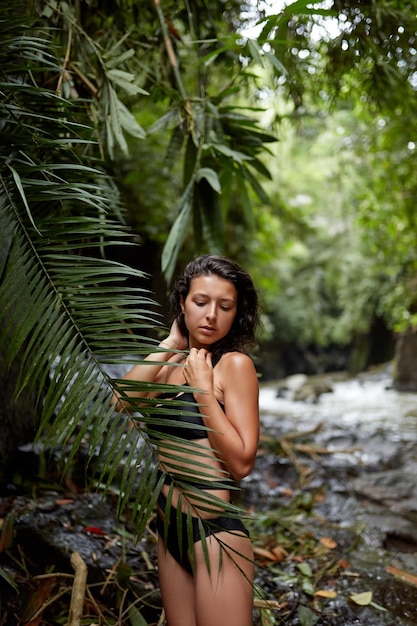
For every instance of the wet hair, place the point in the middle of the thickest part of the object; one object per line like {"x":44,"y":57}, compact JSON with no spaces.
{"x":242,"y":334}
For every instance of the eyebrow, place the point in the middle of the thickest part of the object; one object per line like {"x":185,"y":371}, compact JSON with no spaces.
{"x":205,"y":295}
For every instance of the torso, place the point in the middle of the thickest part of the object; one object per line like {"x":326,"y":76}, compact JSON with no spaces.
{"x":194,"y":453}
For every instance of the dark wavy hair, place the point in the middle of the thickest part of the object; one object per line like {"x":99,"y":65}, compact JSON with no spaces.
{"x":242,"y":334}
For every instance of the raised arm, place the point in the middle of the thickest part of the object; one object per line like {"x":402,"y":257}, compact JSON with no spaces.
{"x":154,"y":368}
{"x":236,"y":428}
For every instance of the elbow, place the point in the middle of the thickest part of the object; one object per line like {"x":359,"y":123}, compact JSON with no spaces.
{"x":241,"y":470}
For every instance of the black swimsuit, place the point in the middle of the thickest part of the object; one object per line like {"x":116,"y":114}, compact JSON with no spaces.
{"x":184,"y":420}
{"x":178,"y":541}
{"x":188,"y":424}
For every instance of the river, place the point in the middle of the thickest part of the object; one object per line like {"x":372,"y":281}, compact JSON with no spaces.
{"x":361,"y":453}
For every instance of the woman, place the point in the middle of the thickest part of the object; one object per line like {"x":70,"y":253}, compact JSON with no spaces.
{"x":215,"y":309}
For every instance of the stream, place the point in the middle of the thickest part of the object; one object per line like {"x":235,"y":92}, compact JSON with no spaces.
{"x":333,"y":515}
{"x":365,"y":467}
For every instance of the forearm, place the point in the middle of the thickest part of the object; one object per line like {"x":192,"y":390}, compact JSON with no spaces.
{"x":146,"y":371}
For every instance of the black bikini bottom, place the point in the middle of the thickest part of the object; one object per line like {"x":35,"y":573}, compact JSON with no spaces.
{"x":177,"y":539}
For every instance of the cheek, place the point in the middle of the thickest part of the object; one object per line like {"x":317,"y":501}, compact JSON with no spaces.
{"x":228,"y":321}
{"x":189,"y":313}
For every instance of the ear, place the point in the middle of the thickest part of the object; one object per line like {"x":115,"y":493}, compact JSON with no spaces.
{"x":182,"y":303}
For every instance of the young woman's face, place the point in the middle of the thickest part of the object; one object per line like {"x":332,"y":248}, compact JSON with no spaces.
{"x":209,"y":309}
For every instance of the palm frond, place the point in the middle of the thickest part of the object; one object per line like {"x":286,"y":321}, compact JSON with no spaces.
{"x":67,"y":307}
{"x":64,"y":303}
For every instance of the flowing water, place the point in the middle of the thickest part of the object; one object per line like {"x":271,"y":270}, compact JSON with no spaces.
{"x":365,"y":436}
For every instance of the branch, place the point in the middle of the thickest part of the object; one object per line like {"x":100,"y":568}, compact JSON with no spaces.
{"x":78,"y":590}
{"x":170,"y":50}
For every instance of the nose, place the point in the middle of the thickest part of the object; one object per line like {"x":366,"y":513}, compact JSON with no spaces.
{"x":212,"y":311}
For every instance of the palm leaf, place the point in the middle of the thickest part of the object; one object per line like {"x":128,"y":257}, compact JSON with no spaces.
{"x":63,"y":300}
{"x":60,"y":299}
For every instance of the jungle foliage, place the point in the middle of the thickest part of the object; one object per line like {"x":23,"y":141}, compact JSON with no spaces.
{"x":159,"y":122}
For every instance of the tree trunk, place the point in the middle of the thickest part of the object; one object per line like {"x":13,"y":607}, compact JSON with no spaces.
{"x":405,"y":372}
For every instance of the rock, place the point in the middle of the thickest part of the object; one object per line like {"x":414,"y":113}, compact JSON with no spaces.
{"x":293,"y":383}
{"x":311,"y":392}
{"x":301,"y":388}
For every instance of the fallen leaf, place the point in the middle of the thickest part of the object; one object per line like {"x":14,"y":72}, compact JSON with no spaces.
{"x":266,"y":554}
{"x":36,"y":601}
{"x":328,"y":542}
{"x":411,"y":579}
{"x":325,"y":593}
{"x":279,"y":552}
{"x":363,"y":599}
{"x":94,"y":530}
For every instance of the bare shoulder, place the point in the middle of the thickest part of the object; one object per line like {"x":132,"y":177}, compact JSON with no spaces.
{"x":236,"y":359}
{"x":236,"y":366}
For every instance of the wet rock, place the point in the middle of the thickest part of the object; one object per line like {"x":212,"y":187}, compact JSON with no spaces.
{"x":301,"y":388}
{"x":311,"y":392}
{"x":51,"y":529}
{"x":395,"y":489}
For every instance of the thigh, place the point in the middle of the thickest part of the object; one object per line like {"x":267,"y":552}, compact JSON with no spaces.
{"x":177,"y":589}
{"x":224,"y":595}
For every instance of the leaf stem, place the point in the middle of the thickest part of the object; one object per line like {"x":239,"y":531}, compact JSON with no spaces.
{"x":170,"y":51}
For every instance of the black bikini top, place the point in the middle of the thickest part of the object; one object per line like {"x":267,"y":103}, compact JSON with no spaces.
{"x":182,"y":420}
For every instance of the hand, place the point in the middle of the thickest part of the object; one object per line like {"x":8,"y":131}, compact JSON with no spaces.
{"x":175,"y":339}
{"x":198,"y":369}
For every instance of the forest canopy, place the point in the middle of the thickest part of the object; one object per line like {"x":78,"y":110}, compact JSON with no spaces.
{"x":280,"y":133}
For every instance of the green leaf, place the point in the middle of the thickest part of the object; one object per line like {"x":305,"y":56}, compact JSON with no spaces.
{"x":255,"y":51}
{"x":273,"y":59}
{"x":306,"y":616}
{"x":253,"y":182}
{"x":305,"y":569}
{"x":7,"y":578}
{"x":122,"y":58}
{"x":177,"y":233}
{"x":129,"y":122}
{"x":19,"y":185}
{"x":125,"y":81}
{"x":211,"y":176}
{"x":307,"y":586}
{"x":135,"y":616}
{"x":167,"y":120}
{"x":235,"y":155}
